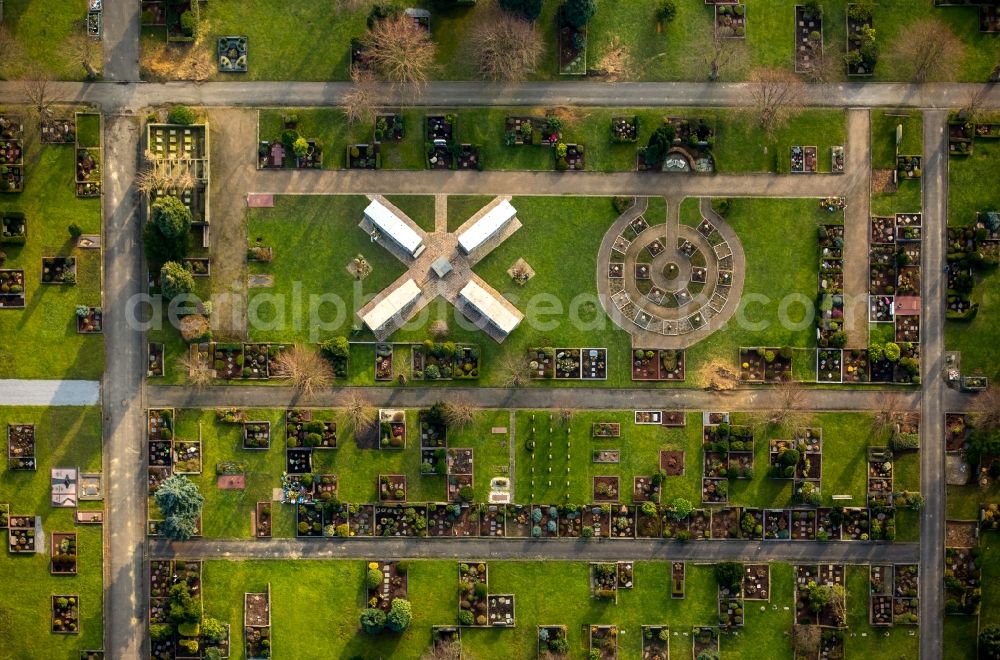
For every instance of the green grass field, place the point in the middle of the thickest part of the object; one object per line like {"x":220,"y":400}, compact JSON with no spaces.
{"x":298,"y":41}
{"x":49,"y":35}
{"x":972,"y":189}
{"x":64,"y":437}
{"x":40,"y":341}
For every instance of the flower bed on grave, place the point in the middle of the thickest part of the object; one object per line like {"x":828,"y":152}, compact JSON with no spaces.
{"x":388,"y":128}
{"x":89,"y":320}
{"x":862,"y":53}
{"x":649,"y":521}
{"x":730,"y":21}
{"x":544,"y":521}
{"x":646,"y":489}
{"x":661,"y":364}
{"x":13,"y":228}
{"x":606,"y":489}
{"x":908,"y":167}
{"x":327,"y":488}
{"x":808,"y":38}
{"x":605,"y":430}
{"x":58,"y":131}
{"x":829,"y":365}
{"x":803,"y":525}
{"x":776,"y":524}
{"x":541,"y":362}
{"x":227,"y":360}
{"x":11,"y":155}
{"x":552,"y":642}
{"x":672,"y":462}
{"x":308,"y":520}
{"x":726,"y":523}
{"x":4,"y":515}
{"x":454,"y":519}
{"x":473,"y":585}
{"x":232,"y":53}
{"x":21,"y":534}
{"x":58,"y":270}
{"x":604,"y":581}
{"x":752,"y":524}
{"x":391,"y":488}
{"x":445,"y":361}
{"x":88,"y":172}
{"x":262,"y":528}
{"x":433,"y":461}
{"x":364,"y":157}
{"x":595,"y":520}
{"x":257,"y":624}
{"x":542,"y":131}
{"x":624,"y":129}
{"x":964,"y":564}
{"x":400,"y":520}
{"x":492,"y":520}
{"x":21,"y":447}
{"x":704,"y":640}
{"x":11,"y":288}
{"x":570,"y":157}
{"x":63,"y":553}
{"x":385,"y":582}
{"x":301,"y":430}
{"x":655,"y":642}
{"x":604,"y":640}
{"x":187,"y":457}
{"x":383,"y":361}
{"x":572,"y":50}
{"x":257,"y":435}
{"x":392,"y":429}
{"x":160,"y":424}
{"x":623,"y":521}
{"x":66,"y":614}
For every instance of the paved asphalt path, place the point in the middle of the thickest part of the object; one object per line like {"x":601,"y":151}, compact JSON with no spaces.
{"x":50,"y":392}
{"x":124,"y":409}
{"x":467,"y":94}
{"x":932,"y":472}
{"x":121,"y":40}
{"x":539,"y":550}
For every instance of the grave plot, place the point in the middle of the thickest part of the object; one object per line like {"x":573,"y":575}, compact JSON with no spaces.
{"x":672,"y":462}
{"x":66,"y":614}
{"x":308,"y":520}
{"x":604,"y":640}
{"x":808,"y":38}
{"x":568,"y":363}
{"x":570,"y":521}
{"x":905,"y":603}
{"x":227,"y":360}
{"x":880,"y":599}
{"x":392,"y":488}
{"x":649,"y":523}
{"x":777,"y":523}
{"x":460,"y":520}
{"x":879,"y":476}
{"x":571,"y":157}
{"x":726,"y":523}
{"x":439,"y":132}
{"x":58,"y":131}
{"x":856,"y":524}
{"x":730,"y":21}
{"x":89,"y":320}
{"x":21,"y":538}
{"x":59,"y":270}
{"x":257,"y":625}
{"x":433,"y":461}
{"x":594,"y":364}
{"x":544,"y":521}
{"x":385,"y":581}
{"x":966,"y":578}
{"x":388,"y":128}
{"x":400,"y":520}
{"x":326,"y":487}
{"x":63,"y":553}
{"x":232,"y":52}
{"x":392,"y":429}
{"x":820,"y":596}
{"x":361,"y":519}
{"x":757,"y":582}
{"x":699,"y":524}
{"x":21,"y":447}
{"x":187,"y":457}
{"x":473,"y":586}
{"x":446,"y":640}
{"x":957,"y":431}
{"x":257,"y":435}
{"x":856,"y":365}
{"x":803,"y":525}
{"x":493,"y":521}
{"x":730,"y":608}
{"x":518,"y":520}
{"x":255,"y":360}
{"x":384,"y":361}
{"x":705,"y":640}
{"x":11,"y":154}
{"x":802,"y":160}
{"x":606,"y":488}
{"x":501,"y":609}
{"x":301,"y":430}
{"x":662,"y":364}
{"x":828,"y":523}
{"x":4,"y":514}
{"x":646,"y":489}
{"x":604,"y":581}
{"x":460,"y":488}
{"x":605,"y":430}
{"x":596,"y":521}
{"x":624,"y":129}
{"x":752,"y":524}
{"x":648,"y":417}
{"x":13,"y":228}
{"x":552,"y":642}
{"x":882,"y":523}
{"x":677,"y":571}
{"x":541,"y":362}
{"x":830,"y":365}
{"x":862,"y":53}
{"x":262,"y":520}
{"x":433,"y":430}
{"x":623,"y":521}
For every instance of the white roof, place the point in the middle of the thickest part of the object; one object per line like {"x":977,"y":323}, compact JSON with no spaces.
{"x":487,"y":304}
{"x":484,"y":228}
{"x":398,"y":299}
{"x":390,"y":225}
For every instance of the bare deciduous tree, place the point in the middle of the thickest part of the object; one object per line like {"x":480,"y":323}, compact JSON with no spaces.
{"x":81,"y":48}
{"x":400,"y":51}
{"x":774,"y":96}
{"x":305,"y":368}
{"x":199,"y":373}
{"x":443,"y":651}
{"x":805,"y":639}
{"x":359,"y":410}
{"x":791,"y":400}
{"x":514,"y":370}
{"x":972,"y":111}
{"x":36,"y":86}
{"x":359,"y":101}
{"x":986,"y":405}
{"x":722,"y":53}
{"x":459,"y":415}
{"x":928,"y":50}
{"x":505,"y":46}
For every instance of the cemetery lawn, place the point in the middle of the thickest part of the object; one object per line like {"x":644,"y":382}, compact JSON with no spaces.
{"x":864,"y":640}
{"x":560,"y":240}
{"x":989,"y":612}
{"x":227,"y":512}
{"x":41,"y":341}
{"x":51,"y":34}
{"x":739,"y":145}
{"x":960,"y":637}
{"x":972,"y":188}
{"x":64,"y":437}
{"x":883,"y":143}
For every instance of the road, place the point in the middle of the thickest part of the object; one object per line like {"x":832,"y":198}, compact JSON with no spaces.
{"x":812,"y":552}
{"x":121,"y":40}
{"x":50,"y":392}
{"x":124,"y":409}
{"x":932,"y":528}
{"x":471,"y":94}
